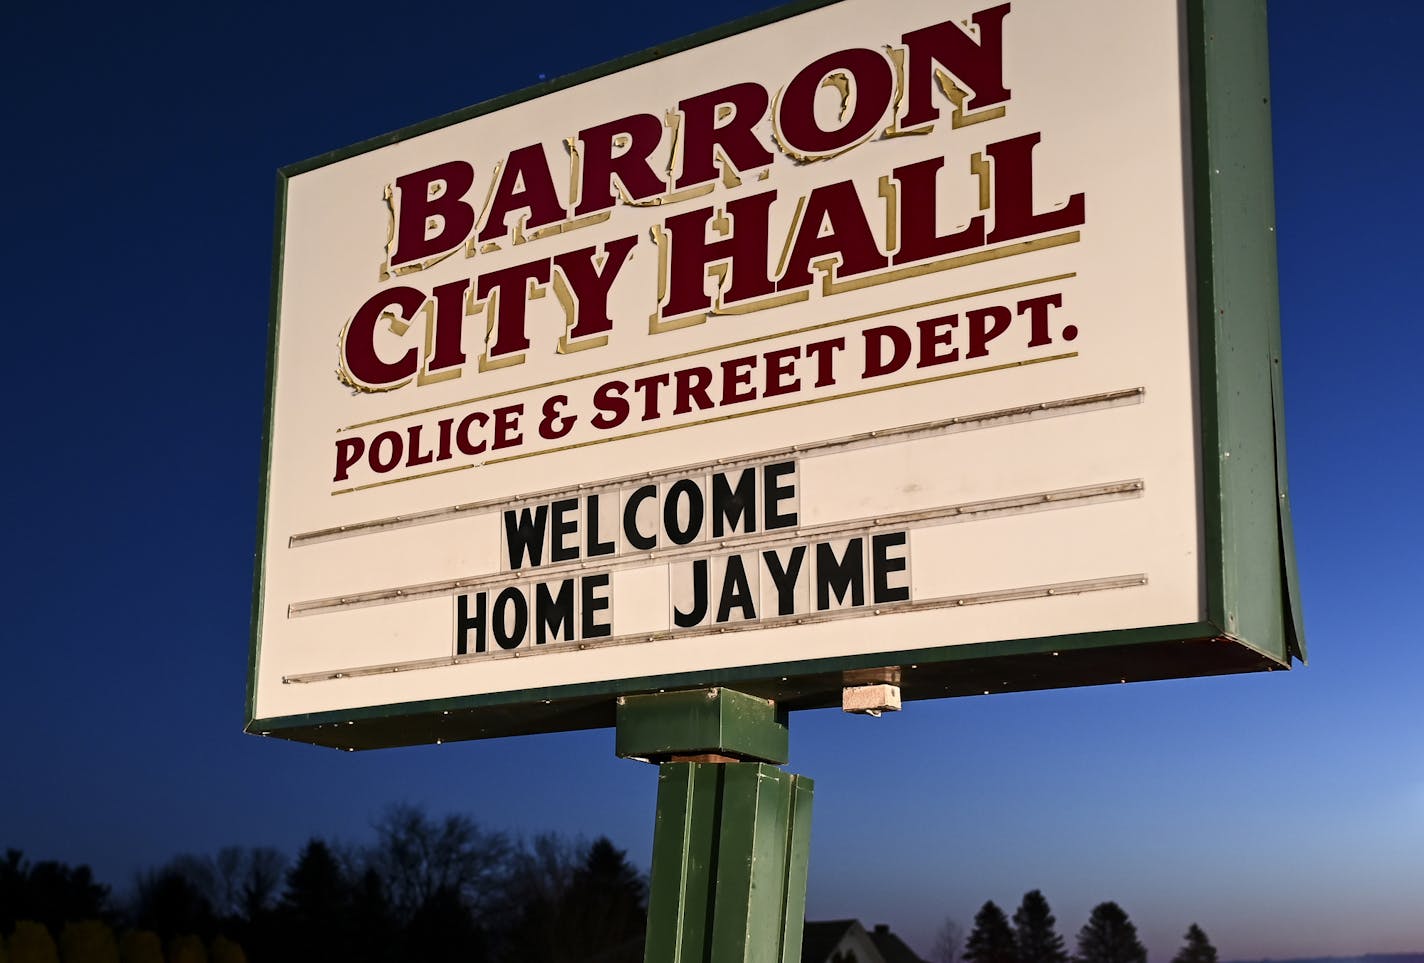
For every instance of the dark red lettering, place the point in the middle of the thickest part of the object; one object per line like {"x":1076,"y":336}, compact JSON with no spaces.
{"x":979,"y":65}
{"x":590,"y":279}
{"x":649,"y":387}
{"x":746,"y":251}
{"x":555,"y":424}
{"x":874,"y":85}
{"x":692,"y":386}
{"x":612,"y":407}
{"x":466,"y":444}
{"x":737,"y":141}
{"x":348,"y":453}
{"x":506,"y":426}
{"x":418,"y":211}
{"x":985,"y":324}
{"x":850,"y":238}
{"x":737,"y":380}
{"x":446,"y":350}
{"x":446,"y":426}
{"x":392,"y":444}
{"x":887,"y":349}
{"x":1037,"y":311}
{"x":918,"y":205}
{"x":416,"y":456}
{"x":1013,"y":194}
{"x":641,"y":133}
{"x":780,"y":372}
{"x":824,"y":352}
{"x":358,"y":345}
{"x":511,"y":287}
{"x":525,"y":184}
{"x":936,"y":335}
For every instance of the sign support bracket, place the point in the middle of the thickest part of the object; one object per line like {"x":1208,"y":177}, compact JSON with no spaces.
{"x":731,"y":843}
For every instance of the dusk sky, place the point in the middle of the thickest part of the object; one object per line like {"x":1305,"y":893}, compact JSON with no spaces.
{"x":1283,"y":812}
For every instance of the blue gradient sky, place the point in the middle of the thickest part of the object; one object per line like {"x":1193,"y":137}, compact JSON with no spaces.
{"x":1283,"y":812}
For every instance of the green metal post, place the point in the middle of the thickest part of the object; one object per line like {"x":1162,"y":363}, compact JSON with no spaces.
{"x":732,"y":838}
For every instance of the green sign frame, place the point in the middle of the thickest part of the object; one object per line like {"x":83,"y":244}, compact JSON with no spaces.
{"x":1253,"y":620}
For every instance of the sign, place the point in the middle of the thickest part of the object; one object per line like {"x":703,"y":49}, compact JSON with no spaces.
{"x":931,"y":344}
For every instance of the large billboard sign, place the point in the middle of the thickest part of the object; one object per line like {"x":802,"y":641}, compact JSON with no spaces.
{"x":928,"y":342}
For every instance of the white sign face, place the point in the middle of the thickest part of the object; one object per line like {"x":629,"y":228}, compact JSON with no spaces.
{"x":866,"y":331}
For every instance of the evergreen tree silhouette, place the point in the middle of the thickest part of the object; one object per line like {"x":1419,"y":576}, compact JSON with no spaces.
{"x":314,"y":922}
{"x":443,"y":931}
{"x":1197,"y":949}
{"x":1109,"y":937}
{"x":48,"y":892}
{"x":169,"y":903}
{"x":1035,"y":937}
{"x":576,"y":905}
{"x":610,"y":901}
{"x":991,"y":940}
{"x":373,"y":927}
{"x":316,"y":887}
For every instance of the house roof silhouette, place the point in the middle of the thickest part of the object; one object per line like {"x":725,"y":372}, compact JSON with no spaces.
{"x":846,"y":941}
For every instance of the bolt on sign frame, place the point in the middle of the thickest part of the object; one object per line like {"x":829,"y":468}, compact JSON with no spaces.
{"x":935,"y":345}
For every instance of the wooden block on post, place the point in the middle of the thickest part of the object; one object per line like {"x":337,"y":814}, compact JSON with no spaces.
{"x":870,"y":700}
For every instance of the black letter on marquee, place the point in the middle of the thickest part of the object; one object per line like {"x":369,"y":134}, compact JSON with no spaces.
{"x":685,"y":489}
{"x":593,"y":604}
{"x":630,"y":519}
{"x":734,"y":506}
{"x":590,"y":521}
{"x":510,"y":596}
{"x":524,"y":535}
{"x":772,"y":494}
{"x":736,"y":591}
{"x":784,"y":577}
{"x":464,"y":622}
{"x":562,"y":550}
{"x":554,"y":614}
{"x":686,"y":620}
{"x":845,"y":575}
{"x":883,"y":566}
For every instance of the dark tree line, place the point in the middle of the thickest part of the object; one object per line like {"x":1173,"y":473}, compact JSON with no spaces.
{"x":1032,"y":937}
{"x":429,"y":891}
{"x":426,"y":891}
